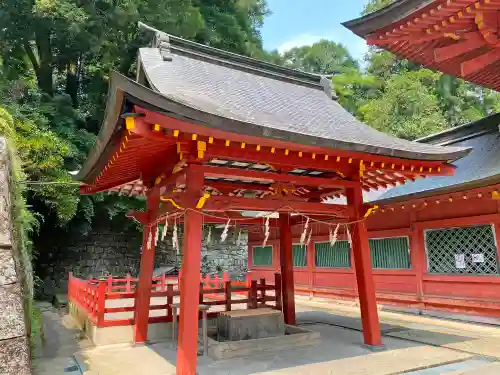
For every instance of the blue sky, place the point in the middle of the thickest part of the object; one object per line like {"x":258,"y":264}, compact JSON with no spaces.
{"x":304,"y":22}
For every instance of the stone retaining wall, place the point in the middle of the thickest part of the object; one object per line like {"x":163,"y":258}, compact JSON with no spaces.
{"x":105,"y":252}
{"x":14,"y":345}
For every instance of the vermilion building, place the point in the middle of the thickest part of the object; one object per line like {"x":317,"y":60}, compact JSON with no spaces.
{"x":433,"y":243}
{"x":205,"y":134}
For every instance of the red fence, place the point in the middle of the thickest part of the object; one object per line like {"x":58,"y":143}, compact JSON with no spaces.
{"x":91,"y":296}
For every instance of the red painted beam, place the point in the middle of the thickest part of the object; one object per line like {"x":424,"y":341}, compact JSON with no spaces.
{"x":280,"y":160}
{"x":205,"y":133}
{"x":218,"y":204}
{"x":474,"y":65}
{"x":210,"y":171}
{"x":454,"y":50}
{"x":228,"y":187}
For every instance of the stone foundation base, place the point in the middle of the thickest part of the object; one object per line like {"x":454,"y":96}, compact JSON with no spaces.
{"x":295,"y":337}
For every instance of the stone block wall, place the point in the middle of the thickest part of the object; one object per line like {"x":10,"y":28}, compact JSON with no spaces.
{"x":14,"y":345}
{"x":105,"y":252}
{"x":230,"y":256}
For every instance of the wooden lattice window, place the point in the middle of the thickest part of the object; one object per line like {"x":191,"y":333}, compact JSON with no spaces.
{"x":390,"y":253}
{"x":299,"y":255}
{"x":465,"y":250}
{"x":336,"y":256}
{"x":262,"y":256}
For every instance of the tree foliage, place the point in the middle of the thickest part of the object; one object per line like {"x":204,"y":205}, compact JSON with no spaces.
{"x":56,"y":56}
{"x":323,"y":57}
{"x":374,"y":5}
{"x":392,"y":94}
{"x":408,"y":108}
{"x":55,"y":59}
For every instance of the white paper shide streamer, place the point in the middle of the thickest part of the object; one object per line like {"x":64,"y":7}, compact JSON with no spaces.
{"x":266,"y":232}
{"x":157,"y":235}
{"x":223,"y":236}
{"x":150,"y":239}
{"x":175,"y":239}
{"x":164,"y":232}
{"x":209,"y":236}
{"x":334,"y":235}
{"x":349,"y":238}
{"x":304,"y":233}
{"x":309,"y":237}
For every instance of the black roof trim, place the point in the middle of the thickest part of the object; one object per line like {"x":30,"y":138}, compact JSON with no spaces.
{"x":492,"y":180}
{"x":463,"y":132}
{"x":394,"y":12}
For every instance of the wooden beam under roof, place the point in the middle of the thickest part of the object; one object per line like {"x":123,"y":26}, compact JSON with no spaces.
{"x":217,"y":204}
{"x":245,"y":174}
{"x":473,"y":42}
{"x":478,"y":63}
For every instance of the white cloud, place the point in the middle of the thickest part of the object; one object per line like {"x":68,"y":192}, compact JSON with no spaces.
{"x":303,"y":40}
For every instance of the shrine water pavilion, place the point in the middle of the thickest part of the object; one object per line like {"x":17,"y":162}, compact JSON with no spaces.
{"x":203,"y":135}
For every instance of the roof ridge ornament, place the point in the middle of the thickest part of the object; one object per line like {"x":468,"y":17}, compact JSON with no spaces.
{"x":328,"y":88}
{"x":161,"y":41}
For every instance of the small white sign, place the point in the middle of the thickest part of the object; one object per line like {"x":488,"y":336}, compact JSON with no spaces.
{"x":460,"y":261}
{"x":477,"y":258}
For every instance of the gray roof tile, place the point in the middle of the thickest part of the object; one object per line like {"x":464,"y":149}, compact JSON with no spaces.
{"x":479,"y":168}
{"x":277,"y":106}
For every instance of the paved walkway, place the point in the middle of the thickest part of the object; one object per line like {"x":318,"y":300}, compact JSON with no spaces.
{"x":478,"y":339}
{"x":54,"y":354}
{"x":415,"y":346}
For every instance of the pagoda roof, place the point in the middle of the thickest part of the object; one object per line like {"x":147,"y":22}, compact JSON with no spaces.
{"x":456,"y":37}
{"x":209,"y":93}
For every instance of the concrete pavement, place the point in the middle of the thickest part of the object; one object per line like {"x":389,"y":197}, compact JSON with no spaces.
{"x":415,"y":345}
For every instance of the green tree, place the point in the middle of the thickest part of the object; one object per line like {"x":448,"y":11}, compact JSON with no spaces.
{"x":55,"y":58}
{"x":232,"y":25}
{"x":374,"y":5}
{"x":408,"y":108}
{"x":354,"y":89}
{"x":323,"y":57}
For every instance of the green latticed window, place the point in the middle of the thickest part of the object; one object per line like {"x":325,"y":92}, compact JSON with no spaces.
{"x":390,"y":253}
{"x":336,"y":256}
{"x":299,"y":255}
{"x":464,"y":251}
{"x":262,"y":256}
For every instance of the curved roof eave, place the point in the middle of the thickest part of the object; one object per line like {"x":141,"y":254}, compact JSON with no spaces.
{"x":396,"y":11}
{"x":123,"y":89}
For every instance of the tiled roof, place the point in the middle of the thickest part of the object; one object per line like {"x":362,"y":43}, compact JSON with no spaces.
{"x":268,"y":101}
{"x":480,"y":168}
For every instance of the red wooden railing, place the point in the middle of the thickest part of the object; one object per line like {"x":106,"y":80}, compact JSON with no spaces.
{"x":91,"y":295}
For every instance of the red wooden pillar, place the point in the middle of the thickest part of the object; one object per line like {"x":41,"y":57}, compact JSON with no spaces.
{"x":144,"y":283}
{"x":187,"y":349}
{"x":364,"y":274}
{"x":286,"y":262}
